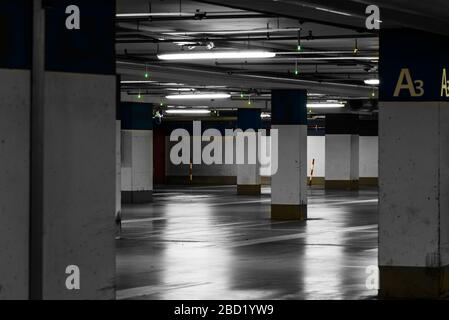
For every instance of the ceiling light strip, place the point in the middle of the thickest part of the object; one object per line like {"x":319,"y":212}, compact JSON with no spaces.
{"x":218,"y":55}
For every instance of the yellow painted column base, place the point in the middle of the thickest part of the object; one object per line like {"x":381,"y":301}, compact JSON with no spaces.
{"x":414,"y":282}
{"x":288,"y":212}
{"x":352,"y":185}
{"x":369,"y":182}
{"x":316,"y":181}
{"x":249,"y":190}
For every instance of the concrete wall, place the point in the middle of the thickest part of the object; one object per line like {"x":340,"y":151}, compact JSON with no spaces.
{"x":14,"y":182}
{"x":118,"y":167}
{"x":79,"y":184}
{"x":369,"y":157}
{"x":137,"y":159}
{"x":202,"y":173}
{"x":316,"y":149}
{"x":368,"y":160}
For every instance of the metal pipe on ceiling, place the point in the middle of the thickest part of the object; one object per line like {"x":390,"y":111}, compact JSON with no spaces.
{"x":226,"y":78}
{"x":252,"y":39}
{"x":242,"y":6}
{"x":231,"y":32}
{"x":196,"y":16}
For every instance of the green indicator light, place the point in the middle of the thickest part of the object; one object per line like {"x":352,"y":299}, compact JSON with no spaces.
{"x":296,"y":68}
{"x":299,"y":48}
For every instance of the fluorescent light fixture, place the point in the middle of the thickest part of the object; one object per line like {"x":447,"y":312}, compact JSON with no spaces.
{"x":334,"y":11}
{"x":181,"y":89}
{"x":171,"y":84}
{"x":205,"y":96}
{"x":315,"y":94}
{"x":188,"y":111}
{"x":156,"y":14}
{"x":233,"y":32}
{"x":372,"y":82}
{"x":137,"y":82}
{"x":185,"y":43}
{"x":325,"y":105}
{"x":217,"y":55}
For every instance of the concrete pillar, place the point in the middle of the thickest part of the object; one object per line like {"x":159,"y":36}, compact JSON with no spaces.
{"x":118,"y":159}
{"x":369,"y":153}
{"x":248,"y":174}
{"x":137,"y":152}
{"x":15,"y":79}
{"x":118,"y":172}
{"x":73,"y":158}
{"x":289,"y":182}
{"x":342,"y":152}
{"x":414,"y":165}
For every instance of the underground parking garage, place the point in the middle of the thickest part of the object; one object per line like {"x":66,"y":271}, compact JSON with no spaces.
{"x":224,"y":150}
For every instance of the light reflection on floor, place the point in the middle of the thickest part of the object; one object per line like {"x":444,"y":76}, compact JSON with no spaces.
{"x":207,"y":243}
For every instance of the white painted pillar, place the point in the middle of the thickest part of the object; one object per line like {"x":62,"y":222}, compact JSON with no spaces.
{"x":137,"y":152}
{"x":369,"y":153}
{"x":414,"y":165}
{"x":342,"y":152}
{"x":73,"y":180}
{"x":248,"y":174}
{"x":118,"y":171}
{"x":289,"y":182}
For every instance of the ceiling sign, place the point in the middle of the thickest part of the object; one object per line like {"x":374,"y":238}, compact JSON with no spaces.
{"x":413,"y":66}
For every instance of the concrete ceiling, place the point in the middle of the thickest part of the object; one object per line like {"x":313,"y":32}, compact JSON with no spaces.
{"x":326,"y":65}
{"x":431,"y":15}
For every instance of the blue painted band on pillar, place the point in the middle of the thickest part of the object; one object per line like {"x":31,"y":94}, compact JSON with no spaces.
{"x":289,"y":107}
{"x":412,"y":64}
{"x":136,"y":116}
{"x":90,"y":49}
{"x":16,"y":18}
{"x":249,"y":119}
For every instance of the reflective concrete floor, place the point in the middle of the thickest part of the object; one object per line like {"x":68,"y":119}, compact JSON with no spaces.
{"x":207,"y":243}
